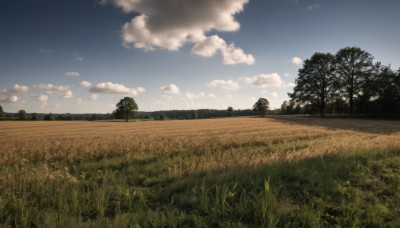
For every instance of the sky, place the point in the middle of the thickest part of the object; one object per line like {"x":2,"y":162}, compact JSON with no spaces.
{"x":83,"y":56}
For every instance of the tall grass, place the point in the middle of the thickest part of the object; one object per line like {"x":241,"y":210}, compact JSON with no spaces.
{"x":221,"y":173}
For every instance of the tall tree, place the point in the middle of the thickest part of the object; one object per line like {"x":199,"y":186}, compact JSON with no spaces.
{"x":1,"y":112}
{"x":21,"y":114}
{"x":354,"y":68}
{"x":386,"y":88}
{"x":261,"y":106}
{"x":316,"y":82}
{"x":126,"y":108}
{"x":230,"y":111}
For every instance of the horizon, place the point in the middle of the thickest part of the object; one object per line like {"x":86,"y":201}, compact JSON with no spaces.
{"x":82,"y":57}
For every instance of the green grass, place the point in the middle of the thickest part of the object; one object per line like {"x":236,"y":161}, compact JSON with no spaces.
{"x":352,"y":189}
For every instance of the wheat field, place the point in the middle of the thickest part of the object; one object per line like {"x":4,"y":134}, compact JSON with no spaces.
{"x":296,"y":171}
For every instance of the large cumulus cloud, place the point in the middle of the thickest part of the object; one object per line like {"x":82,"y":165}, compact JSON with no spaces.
{"x":170,"y":24}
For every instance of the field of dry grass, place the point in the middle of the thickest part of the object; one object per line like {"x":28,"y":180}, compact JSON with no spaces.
{"x":167,"y":162}
{"x":44,"y":141}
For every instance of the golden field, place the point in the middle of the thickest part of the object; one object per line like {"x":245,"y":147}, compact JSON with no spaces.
{"x":290,"y":137}
{"x":232,"y":172}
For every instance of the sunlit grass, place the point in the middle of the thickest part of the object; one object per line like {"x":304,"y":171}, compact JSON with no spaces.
{"x":221,"y":172}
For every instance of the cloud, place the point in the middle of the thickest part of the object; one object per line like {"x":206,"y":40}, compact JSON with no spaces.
{"x":15,"y":89}
{"x":85,"y":84}
{"x":80,"y":102}
{"x":93,"y":97}
{"x":9,"y":99}
{"x":51,"y":88}
{"x":41,"y":97}
{"x":72,"y":74}
{"x":297,"y":61}
{"x":45,"y":50}
{"x":287,"y":75}
{"x":312,"y":7}
{"x":290,"y":84}
{"x":274,"y":95}
{"x":112,"y":88}
{"x":231,"y":55}
{"x":170,"y":24}
{"x":265,"y":80}
{"x":77,"y":56}
{"x":228,"y":84}
{"x":170,"y":89}
{"x":192,"y":96}
{"x":68,"y":94}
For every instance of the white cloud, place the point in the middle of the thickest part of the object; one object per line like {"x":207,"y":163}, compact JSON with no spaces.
{"x":274,"y":95}
{"x":290,"y":84}
{"x":9,"y":99}
{"x":192,"y":96}
{"x":112,"y":88}
{"x":68,"y":94}
{"x":224,"y":84}
{"x":15,"y":89}
{"x":80,"y":102}
{"x":233,"y":55}
{"x":170,"y":24}
{"x":170,"y":89}
{"x":297,"y":60}
{"x":72,"y":74}
{"x":52,"y":88}
{"x":287,"y":75}
{"x":85,"y":84}
{"x":41,"y":97}
{"x":93,"y":97}
{"x":265,"y":80}
{"x":313,"y":7}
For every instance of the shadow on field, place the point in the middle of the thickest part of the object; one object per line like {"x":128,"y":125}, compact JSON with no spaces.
{"x":330,"y":190}
{"x":361,"y":125}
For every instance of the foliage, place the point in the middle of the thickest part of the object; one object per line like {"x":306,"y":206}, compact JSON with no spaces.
{"x":49,"y":117}
{"x":316,"y":82}
{"x":1,"y":112}
{"x":126,"y":109}
{"x":261,"y":106}
{"x":34,"y":116}
{"x":354,"y":68}
{"x":194,"y":115}
{"x":230,"y":111}
{"x":353,"y":84}
{"x":21,"y":114}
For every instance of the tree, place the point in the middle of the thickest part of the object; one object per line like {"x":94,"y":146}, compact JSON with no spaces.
{"x":386,"y":88}
{"x":49,"y":117}
{"x":21,"y":114}
{"x":316,"y":83}
{"x":194,"y":114}
{"x":34,"y":116}
{"x":354,"y":67}
{"x":1,"y":112}
{"x":126,"y":108}
{"x":230,"y":111}
{"x":261,"y":106}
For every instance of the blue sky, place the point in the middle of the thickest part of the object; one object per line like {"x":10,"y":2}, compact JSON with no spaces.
{"x":83,"y":56}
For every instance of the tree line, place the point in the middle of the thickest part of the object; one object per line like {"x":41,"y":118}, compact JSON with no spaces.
{"x":347,"y":82}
